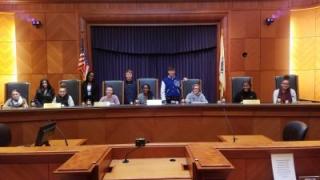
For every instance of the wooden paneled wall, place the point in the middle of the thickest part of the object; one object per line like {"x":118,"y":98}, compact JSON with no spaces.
{"x":52,"y":50}
{"x":305,"y":51}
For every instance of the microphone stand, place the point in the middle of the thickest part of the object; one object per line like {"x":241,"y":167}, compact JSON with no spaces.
{"x":61,"y":133}
{"x":228,"y":123}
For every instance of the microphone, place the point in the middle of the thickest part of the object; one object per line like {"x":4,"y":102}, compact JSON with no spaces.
{"x":228,"y":123}
{"x":61,"y":133}
{"x":126,"y":160}
{"x":140,"y":142}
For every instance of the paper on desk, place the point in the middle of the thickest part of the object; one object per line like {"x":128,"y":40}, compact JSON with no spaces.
{"x":283,"y":167}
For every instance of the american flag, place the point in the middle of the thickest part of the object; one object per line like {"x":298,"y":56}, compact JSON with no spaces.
{"x":83,"y":65}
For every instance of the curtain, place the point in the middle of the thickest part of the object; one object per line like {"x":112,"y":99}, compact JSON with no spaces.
{"x":149,"y":50}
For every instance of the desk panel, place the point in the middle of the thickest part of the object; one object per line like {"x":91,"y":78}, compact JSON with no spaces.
{"x":170,"y":123}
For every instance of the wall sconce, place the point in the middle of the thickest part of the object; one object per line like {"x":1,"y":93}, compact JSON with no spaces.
{"x":36,"y":23}
{"x":269,"y":21}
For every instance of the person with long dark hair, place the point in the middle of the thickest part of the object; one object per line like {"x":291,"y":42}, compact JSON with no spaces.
{"x":246,"y":93}
{"x":285,"y":94}
{"x":44,"y":94}
{"x":89,"y":89}
{"x":146,"y":94}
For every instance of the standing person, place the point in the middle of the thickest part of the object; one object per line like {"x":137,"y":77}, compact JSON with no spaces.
{"x":110,"y":97}
{"x":146,"y":94}
{"x":130,"y":87}
{"x":285,"y":94}
{"x":16,"y":100}
{"x":44,"y":94}
{"x":196,"y":96}
{"x":245,"y":93}
{"x":170,"y":87}
{"x":89,"y":89}
{"x":63,"y":97}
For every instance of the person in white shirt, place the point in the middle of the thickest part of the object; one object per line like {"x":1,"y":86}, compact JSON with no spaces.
{"x":285,"y":94}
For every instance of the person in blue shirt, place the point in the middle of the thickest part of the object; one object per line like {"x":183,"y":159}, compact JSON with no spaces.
{"x":170,"y":87}
{"x":130,"y":88}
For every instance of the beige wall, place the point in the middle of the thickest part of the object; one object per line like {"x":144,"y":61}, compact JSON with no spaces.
{"x":305,"y":51}
{"x":7,"y":51}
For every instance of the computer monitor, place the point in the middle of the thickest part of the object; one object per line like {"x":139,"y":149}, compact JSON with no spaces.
{"x":44,"y":134}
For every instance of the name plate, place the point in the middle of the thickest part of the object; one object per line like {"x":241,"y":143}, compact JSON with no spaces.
{"x":51,"y":105}
{"x":101,"y":104}
{"x":251,"y":101}
{"x":283,"y":166}
{"x":154,"y":102}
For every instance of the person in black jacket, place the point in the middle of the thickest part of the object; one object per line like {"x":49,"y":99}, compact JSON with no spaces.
{"x":245,"y":93}
{"x":44,"y":94}
{"x":130,"y":88}
{"x":89,"y":89}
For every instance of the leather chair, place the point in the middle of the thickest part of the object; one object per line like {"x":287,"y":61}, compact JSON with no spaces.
{"x":186,"y":86}
{"x":237,"y":84}
{"x":74,"y":89}
{"x":118,"y":88}
{"x":5,"y":135}
{"x":22,"y":87}
{"x":295,"y":131}
{"x":153,"y":83}
{"x":293,"y":79}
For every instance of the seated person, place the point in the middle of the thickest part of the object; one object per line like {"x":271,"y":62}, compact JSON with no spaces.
{"x":145,"y":95}
{"x":196,"y":95}
{"x":284,"y":95}
{"x":16,"y":100}
{"x":245,"y":93}
{"x":44,"y":94}
{"x":110,"y":97}
{"x":63,"y":97}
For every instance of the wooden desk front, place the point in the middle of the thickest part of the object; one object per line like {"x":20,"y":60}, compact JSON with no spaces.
{"x":171,"y":123}
{"x":206,"y":160}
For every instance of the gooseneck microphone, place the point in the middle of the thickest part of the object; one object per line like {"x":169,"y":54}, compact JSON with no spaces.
{"x":140,"y":142}
{"x":228,"y":123}
{"x":126,"y":160}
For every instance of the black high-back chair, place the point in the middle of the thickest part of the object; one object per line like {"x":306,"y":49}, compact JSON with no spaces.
{"x":22,"y":87}
{"x":153,"y":83}
{"x":293,"y":79}
{"x":5,"y":135}
{"x":295,"y":131}
{"x":186,"y":86}
{"x":237,"y":84}
{"x":117,"y":86}
{"x":74,"y":89}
